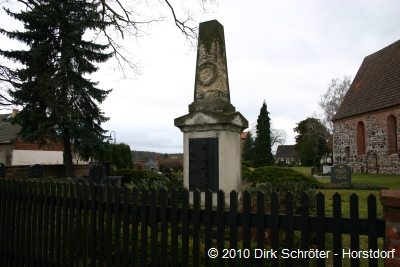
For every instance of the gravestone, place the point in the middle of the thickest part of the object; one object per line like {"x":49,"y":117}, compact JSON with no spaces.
{"x":340,"y":173}
{"x":314,"y":170}
{"x":212,"y":128}
{"x":36,"y":171}
{"x":2,"y":170}
{"x":326,"y":168}
{"x":281,"y":163}
{"x":98,"y":171}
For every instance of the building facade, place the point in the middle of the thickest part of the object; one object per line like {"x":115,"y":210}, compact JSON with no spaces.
{"x":366,"y":132}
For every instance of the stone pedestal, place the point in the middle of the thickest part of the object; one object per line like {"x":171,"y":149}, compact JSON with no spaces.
{"x":211,"y":130}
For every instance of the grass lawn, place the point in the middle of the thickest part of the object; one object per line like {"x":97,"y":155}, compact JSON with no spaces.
{"x":387,"y":180}
{"x":390,"y":181}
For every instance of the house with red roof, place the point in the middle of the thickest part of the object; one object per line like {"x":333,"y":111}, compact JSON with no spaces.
{"x":14,"y":151}
{"x":366,"y":132}
{"x":243,"y":136}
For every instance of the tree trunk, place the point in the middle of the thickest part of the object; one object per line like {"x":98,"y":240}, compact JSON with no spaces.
{"x":69,"y":170}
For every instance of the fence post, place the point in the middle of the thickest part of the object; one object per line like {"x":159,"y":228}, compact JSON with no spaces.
{"x":390,"y":201}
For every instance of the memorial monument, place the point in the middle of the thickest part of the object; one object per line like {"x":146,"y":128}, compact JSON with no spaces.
{"x":211,"y":130}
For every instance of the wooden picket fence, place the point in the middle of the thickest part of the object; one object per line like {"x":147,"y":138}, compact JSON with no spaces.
{"x":67,"y":224}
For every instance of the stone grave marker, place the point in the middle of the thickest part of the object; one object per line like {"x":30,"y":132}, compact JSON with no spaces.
{"x":36,"y":171}
{"x":98,"y":172}
{"x":326,"y":168}
{"x":2,"y":170}
{"x":340,"y":173}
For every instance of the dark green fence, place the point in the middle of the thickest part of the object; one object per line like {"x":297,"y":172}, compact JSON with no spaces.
{"x":66,"y":224}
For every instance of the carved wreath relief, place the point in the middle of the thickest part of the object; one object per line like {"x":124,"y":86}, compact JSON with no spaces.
{"x":206,"y":73}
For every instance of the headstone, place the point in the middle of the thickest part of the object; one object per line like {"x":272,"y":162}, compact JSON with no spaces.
{"x":326,"y":169}
{"x":340,"y":173}
{"x":203,"y":164}
{"x":312,"y":171}
{"x":281,"y":163}
{"x":2,"y":170}
{"x":98,"y":171}
{"x":36,"y":171}
{"x":212,"y":120}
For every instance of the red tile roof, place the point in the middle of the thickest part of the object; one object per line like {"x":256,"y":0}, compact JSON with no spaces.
{"x":376,"y":85}
{"x":243,"y":135}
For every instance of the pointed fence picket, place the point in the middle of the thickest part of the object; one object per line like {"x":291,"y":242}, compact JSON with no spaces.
{"x":65,"y":224}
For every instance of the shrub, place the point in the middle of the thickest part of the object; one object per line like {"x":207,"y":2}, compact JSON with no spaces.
{"x":282,"y":186}
{"x":246,"y":172}
{"x":247,"y":163}
{"x":158,"y":181}
{"x":133,"y":174}
{"x":271,"y":173}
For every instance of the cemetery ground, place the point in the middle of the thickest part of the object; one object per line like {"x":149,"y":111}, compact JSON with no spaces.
{"x":363,"y":179}
{"x":388,"y":181}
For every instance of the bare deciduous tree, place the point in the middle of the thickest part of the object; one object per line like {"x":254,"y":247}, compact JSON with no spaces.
{"x":6,"y":76}
{"x":278,"y":136}
{"x":332,"y":99}
{"x":121,"y":19}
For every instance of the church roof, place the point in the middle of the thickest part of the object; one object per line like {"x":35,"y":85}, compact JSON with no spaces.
{"x":376,"y":85}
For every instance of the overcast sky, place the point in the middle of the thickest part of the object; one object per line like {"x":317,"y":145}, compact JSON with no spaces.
{"x":285,"y":52}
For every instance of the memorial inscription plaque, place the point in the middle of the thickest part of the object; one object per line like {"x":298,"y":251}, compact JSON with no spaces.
{"x":203,"y":164}
{"x":340,"y":173}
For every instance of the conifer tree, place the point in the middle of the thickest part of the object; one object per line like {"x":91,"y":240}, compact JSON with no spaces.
{"x":262,"y":155}
{"x":248,"y":147}
{"x":59,"y":100}
{"x":311,"y":141}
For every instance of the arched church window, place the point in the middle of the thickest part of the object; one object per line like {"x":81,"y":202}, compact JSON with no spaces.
{"x":392,"y":134}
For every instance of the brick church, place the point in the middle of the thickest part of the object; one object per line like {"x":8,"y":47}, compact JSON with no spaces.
{"x":366,"y":131}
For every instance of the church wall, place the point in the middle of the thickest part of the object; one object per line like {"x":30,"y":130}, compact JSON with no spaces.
{"x":376,"y":158}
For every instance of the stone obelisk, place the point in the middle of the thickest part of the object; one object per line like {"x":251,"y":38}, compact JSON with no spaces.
{"x":211,"y":130}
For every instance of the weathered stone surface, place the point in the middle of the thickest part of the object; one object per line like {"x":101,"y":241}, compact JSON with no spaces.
{"x":211,"y":90}
{"x":208,"y":120}
{"x":212,"y":117}
{"x":377,"y":158}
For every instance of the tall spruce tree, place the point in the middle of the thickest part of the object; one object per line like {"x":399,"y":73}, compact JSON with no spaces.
{"x":262,"y":155}
{"x":248,"y":147}
{"x":60,"y":102}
